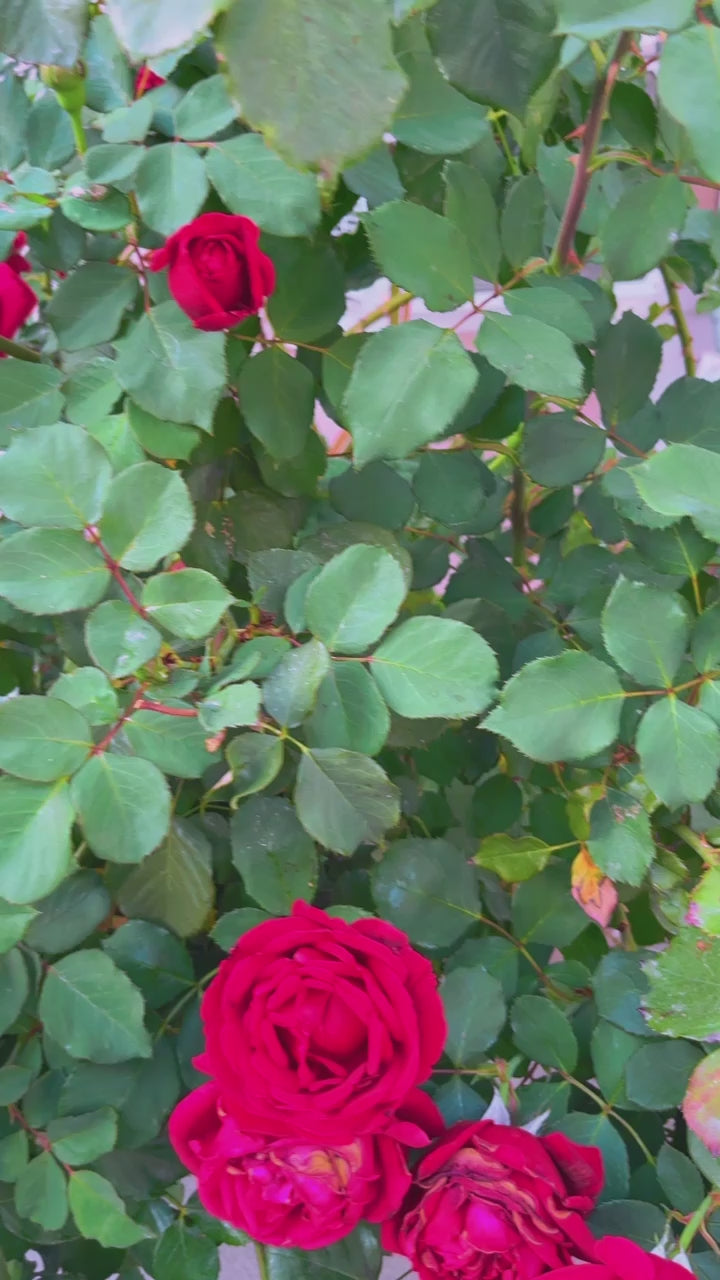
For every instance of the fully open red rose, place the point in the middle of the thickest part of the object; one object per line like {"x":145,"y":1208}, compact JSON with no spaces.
{"x":216,"y":271}
{"x":287,"y":1192}
{"x":315,"y":1026}
{"x":491,"y":1201}
{"x":17,"y":299}
{"x":619,"y":1259}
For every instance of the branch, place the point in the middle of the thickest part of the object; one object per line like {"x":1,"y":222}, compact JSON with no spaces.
{"x":19,"y":351}
{"x":581,"y":178}
{"x":681,"y":323}
{"x":92,"y":534}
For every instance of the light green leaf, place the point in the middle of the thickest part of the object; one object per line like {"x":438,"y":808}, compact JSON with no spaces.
{"x":29,"y":393}
{"x":423,"y":252}
{"x":470,"y":205}
{"x":646,"y":631}
{"x":683,"y":987}
{"x":88,"y":306}
{"x":638,"y":231}
{"x":428,"y":889}
{"x":355,"y":598}
{"x":176,"y":744}
{"x":99,"y":1212}
{"x":679,"y":748}
{"x":171,"y":186}
{"x":43,"y":30}
{"x":255,"y":760}
{"x":273,"y":853}
{"x":170,"y":368}
{"x":42,"y":739}
{"x":306,"y":115}
{"x":475,"y":1012}
{"x":554,"y":307}
{"x":14,"y":919}
{"x":56,"y":476}
{"x":148,"y":513}
{"x":128,"y":124}
{"x":689,"y":87}
{"x":532,"y":354}
{"x":82,"y":1139}
{"x":607,"y":16}
{"x":290,"y":690}
{"x":118,"y":640}
{"x":620,"y":839}
{"x":559,"y":449}
{"x":236,"y":705}
{"x":563,"y":708}
{"x":682,"y":480}
{"x":93,"y":1010}
{"x":166,"y":26}
{"x":106,"y":210}
{"x":435,"y":667}
{"x":112,"y":162}
{"x":433,"y":117}
{"x":205,"y":110}
{"x":50,"y":571}
{"x":41,"y":1193}
{"x":35,"y":824}
{"x":14,"y":987}
{"x":407,"y":384}
{"x":513,"y":858}
{"x":254,"y":180}
{"x":123,"y":805}
{"x":278,"y":399}
{"x":187,"y":602}
{"x":90,"y":692}
{"x":344,"y":799}
{"x":543,"y":1033}
{"x":349,"y":712}
{"x":161,"y":439}
{"x":174,"y":886}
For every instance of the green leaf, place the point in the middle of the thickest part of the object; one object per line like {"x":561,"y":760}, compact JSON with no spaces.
{"x":458,"y":490}
{"x":145,"y":34}
{"x":171,"y":186}
{"x":255,"y":760}
{"x":543,"y":1033}
{"x":559,"y":449}
{"x":305,"y":115}
{"x":513,"y":859}
{"x":355,"y":598}
{"x":552,"y":306}
{"x":499,"y":56}
{"x":93,"y":1010}
{"x":42,"y":739}
{"x":423,"y":252}
{"x":231,"y":707}
{"x":205,"y":110}
{"x":349,"y":712}
{"x":644,"y":1224}
{"x":14,"y":987}
{"x":278,"y":400}
{"x":309,"y":296}
{"x":626,"y":365}
{"x":14,"y":1082}
{"x":608,"y":16}
{"x":49,"y":31}
{"x":689,"y":88}
{"x":234,"y":924}
{"x":657,"y":1074}
{"x":129,"y":124}
{"x":162,"y":439}
{"x":187,"y":602}
{"x":683,"y":987}
{"x":432,"y":117}
{"x":90,"y":692}
{"x":14,"y":921}
{"x":68,"y":915}
{"x":375,"y":177}
{"x":679,"y":749}
{"x":679,"y":1179}
{"x":29,"y":393}
{"x":148,"y":513}
{"x":89,"y":305}
{"x":181,"y":1254}
{"x":598,"y":1131}
{"x":56,"y":476}
{"x":112,"y":162}
{"x":254,"y":180}
{"x":118,"y":640}
{"x":376,"y":494}
{"x":646,"y":631}
{"x":563,"y":708}
{"x":176,"y":744}
{"x":107,"y":210}
{"x":170,"y":368}
{"x":344,"y":799}
{"x":99,"y":1212}
{"x":41,"y":1193}
{"x":407,"y":385}
{"x":153,"y":959}
{"x":543,"y":911}
{"x":475,"y":1012}
{"x":532,"y":354}
{"x":637,"y":234}
{"x":469,"y":204}
{"x":35,"y":842}
{"x":682,"y":480}
{"x":522,"y":226}
{"x":290,"y":690}
{"x":428,"y":889}
{"x":620,"y":839}
{"x":123,"y":805}
{"x":435,"y":667}
{"x":620,"y":985}
{"x":273,"y":853}
{"x":82,"y":1139}
{"x":174,"y":886}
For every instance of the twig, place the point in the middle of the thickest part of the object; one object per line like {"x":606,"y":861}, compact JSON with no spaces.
{"x":385,"y":309}
{"x":681,"y":323}
{"x":19,"y":351}
{"x":92,"y":534}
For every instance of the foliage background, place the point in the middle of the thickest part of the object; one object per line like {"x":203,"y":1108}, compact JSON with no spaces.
{"x":302,"y":710}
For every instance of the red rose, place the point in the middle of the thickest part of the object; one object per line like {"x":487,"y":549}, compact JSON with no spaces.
{"x":492,"y":1201}
{"x":216,"y":271}
{"x":146,"y":80}
{"x":17,"y":299}
{"x":619,"y":1259}
{"x":315,"y":1026}
{"x":287,"y":1192}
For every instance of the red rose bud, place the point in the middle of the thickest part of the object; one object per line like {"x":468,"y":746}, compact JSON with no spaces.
{"x":287,"y":1192}
{"x":17,"y":299}
{"x":490,"y":1201}
{"x":619,"y":1259}
{"x":216,"y":271}
{"x":146,"y":80}
{"x":322,"y":1028}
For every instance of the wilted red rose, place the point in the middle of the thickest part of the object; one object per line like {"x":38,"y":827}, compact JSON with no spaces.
{"x":489,"y":1201}
{"x":17,"y":299}
{"x":619,"y":1259}
{"x":316,"y":1026}
{"x":216,"y":271}
{"x":146,"y":80}
{"x":287,"y":1192}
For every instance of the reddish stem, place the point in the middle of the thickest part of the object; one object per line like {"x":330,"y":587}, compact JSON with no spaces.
{"x":92,"y":535}
{"x":114,"y":729}
{"x":146,"y":704}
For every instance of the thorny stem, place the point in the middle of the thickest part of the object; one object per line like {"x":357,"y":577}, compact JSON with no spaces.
{"x":681,"y":323}
{"x":114,"y":729}
{"x":385,"y":309}
{"x":91,"y":534}
{"x":581,"y":178}
{"x":37,"y":1136}
{"x":146,"y":704}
